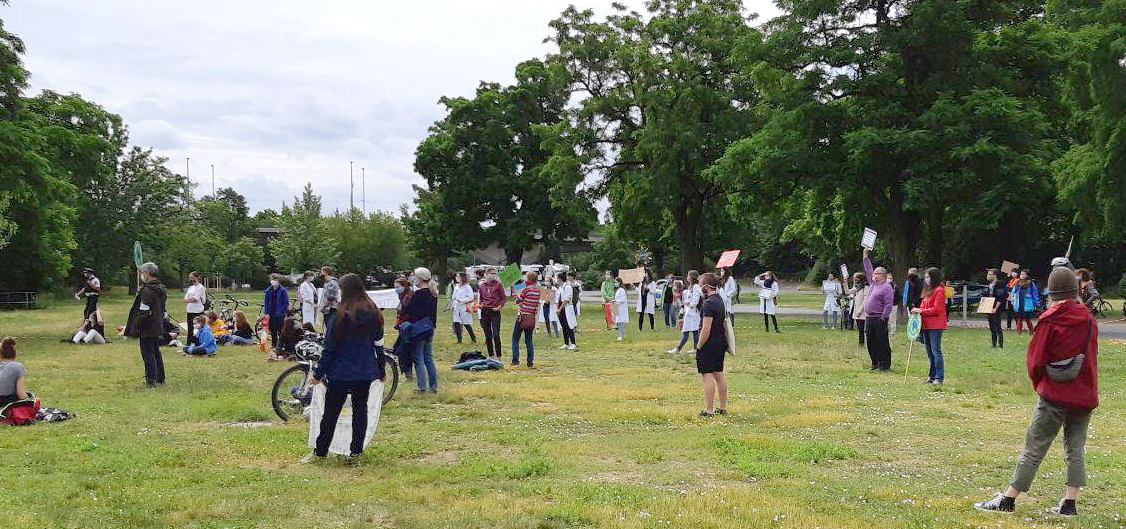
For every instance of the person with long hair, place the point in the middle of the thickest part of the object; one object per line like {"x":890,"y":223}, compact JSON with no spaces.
{"x":1010,"y":312}
{"x":243,"y":332}
{"x":423,"y":306}
{"x":1088,"y":293}
{"x":933,"y":311}
{"x":691,"y":296}
{"x":527,"y":304}
{"x":667,"y":301}
{"x":13,"y":375}
{"x":767,"y":294}
{"x":1063,"y":367}
{"x":349,"y":364}
{"x":1000,"y":294}
{"x":462,"y":296}
{"x":859,"y":293}
{"x":1026,"y":298}
{"x":402,"y":348}
{"x":833,"y":291}
{"x":568,"y":318}
{"x":621,"y":309}
{"x":646,"y":302}
{"x":713,"y":348}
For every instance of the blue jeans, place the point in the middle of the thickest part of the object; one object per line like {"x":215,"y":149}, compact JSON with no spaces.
{"x":424,"y":363}
{"x":516,"y":330}
{"x":684,"y":339}
{"x":933,"y":340}
{"x":234,"y":339}
{"x":196,"y":350}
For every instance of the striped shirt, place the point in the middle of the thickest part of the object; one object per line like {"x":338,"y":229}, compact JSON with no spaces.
{"x":529,"y":299}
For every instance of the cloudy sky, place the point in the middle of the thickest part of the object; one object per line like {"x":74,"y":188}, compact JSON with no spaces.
{"x":278,"y":93}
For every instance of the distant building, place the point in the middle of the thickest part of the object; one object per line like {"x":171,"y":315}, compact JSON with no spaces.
{"x":494,"y":254}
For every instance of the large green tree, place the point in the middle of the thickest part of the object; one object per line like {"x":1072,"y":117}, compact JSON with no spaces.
{"x":375,"y":243}
{"x":303,"y":243}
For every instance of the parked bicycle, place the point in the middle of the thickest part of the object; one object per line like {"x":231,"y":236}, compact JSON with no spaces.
{"x":292,"y":393}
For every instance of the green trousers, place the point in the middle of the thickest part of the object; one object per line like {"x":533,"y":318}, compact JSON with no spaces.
{"x":1046,"y":423}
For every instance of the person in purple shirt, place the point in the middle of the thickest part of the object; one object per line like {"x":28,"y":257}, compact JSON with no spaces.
{"x":878,"y":307}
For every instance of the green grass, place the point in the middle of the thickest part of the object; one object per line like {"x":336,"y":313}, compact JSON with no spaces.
{"x":604,"y":437}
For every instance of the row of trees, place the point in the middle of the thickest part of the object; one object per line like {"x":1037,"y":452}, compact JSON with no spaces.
{"x":74,"y":194}
{"x":964,"y":132}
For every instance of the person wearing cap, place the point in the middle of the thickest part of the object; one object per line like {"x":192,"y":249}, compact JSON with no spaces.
{"x":423,"y":306}
{"x":146,"y":323}
{"x":92,"y":289}
{"x":1062,"y":364}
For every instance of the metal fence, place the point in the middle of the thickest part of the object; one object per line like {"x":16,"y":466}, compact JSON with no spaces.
{"x":17,"y":300}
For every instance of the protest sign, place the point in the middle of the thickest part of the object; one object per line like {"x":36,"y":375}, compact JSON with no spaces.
{"x":631,"y":276}
{"x":384,"y":299}
{"x":510,"y":275}
{"x":987,"y":306}
{"x":728,"y":259}
{"x":869,"y":239}
{"x":1007,"y":266}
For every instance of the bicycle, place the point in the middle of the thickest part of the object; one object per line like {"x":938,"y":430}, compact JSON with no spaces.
{"x":292,"y":392}
{"x":1099,"y":308}
{"x":227,"y":308}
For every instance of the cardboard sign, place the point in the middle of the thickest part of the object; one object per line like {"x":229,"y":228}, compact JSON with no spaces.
{"x":547,"y":295}
{"x":844,"y":272}
{"x":632,"y":276}
{"x":868,"y":240}
{"x":384,"y":299}
{"x":1007,"y":266}
{"x":728,"y":258}
{"x":510,"y":275}
{"x":987,"y":306}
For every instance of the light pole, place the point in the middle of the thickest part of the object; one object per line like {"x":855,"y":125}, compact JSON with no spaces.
{"x":212,"y":180}
{"x":364,"y":190}
{"x":351,"y":189}
{"x":188,"y":168}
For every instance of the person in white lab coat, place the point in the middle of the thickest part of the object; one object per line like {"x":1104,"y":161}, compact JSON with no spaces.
{"x":727,"y":290}
{"x":461,"y":296}
{"x":691,"y":298}
{"x":646,"y":302}
{"x":767,"y":294}
{"x":307,"y":296}
{"x":568,"y":318}
{"x":833,"y":291}
{"x":621,"y":312}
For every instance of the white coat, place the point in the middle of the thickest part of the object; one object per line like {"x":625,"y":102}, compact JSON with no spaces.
{"x":766,"y":296}
{"x":833,"y":290}
{"x":308,"y":294}
{"x":199,"y":292}
{"x":728,"y":292}
{"x":648,"y":290}
{"x":553,"y":313}
{"x":462,"y":296}
{"x":566,"y":294}
{"x":622,"y":301}
{"x":692,"y":297}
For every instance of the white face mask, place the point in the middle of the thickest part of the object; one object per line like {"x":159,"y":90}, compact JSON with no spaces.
{"x":274,"y":283}
{"x":927,"y":280}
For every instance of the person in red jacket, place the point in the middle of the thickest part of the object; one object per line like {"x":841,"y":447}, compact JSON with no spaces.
{"x":1063,"y":367}
{"x":933,"y":311}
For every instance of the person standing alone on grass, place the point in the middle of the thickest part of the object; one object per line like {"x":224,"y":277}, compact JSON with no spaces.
{"x":349,"y":365}
{"x":1063,"y":367}
{"x":667,"y":298}
{"x":1000,"y":294}
{"x":527,"y":303}
{"x":691,"y":296}
{"x":833,"y":290}
{"x":194,"y":298}
{"x":492,"y":299}
{"x":767,"y":295}
{"x":713,"y":348}
{"x":877,"y":308}
{"x":933,"y":312}
{"x":146,"y":323}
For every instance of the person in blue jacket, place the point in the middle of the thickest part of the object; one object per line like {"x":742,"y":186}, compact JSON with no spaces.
{"x":1025,"y":298}
{"x":205,"y":340}
{"x":277,"y":305}
{"x":349,"y":364}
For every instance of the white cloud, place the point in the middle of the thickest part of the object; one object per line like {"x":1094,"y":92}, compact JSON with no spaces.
{"x":278,"y":93}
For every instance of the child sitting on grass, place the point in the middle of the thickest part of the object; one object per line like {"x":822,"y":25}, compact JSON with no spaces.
{"x":205,"y":340}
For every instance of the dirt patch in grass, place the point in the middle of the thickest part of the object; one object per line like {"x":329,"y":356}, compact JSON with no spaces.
{"x":445,"y":457}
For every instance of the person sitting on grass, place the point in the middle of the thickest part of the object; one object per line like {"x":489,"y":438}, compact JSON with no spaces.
{"x":171,"y":335}
{"x":92,"y":330}
{"x":205,"y":340}
{"x":713,"y":347}
{"x":291,"y":333}
{"x":218,"y":326}
{"x":13,"y":384}
{"x":1063,"y":366}
{"x":243,"y":335}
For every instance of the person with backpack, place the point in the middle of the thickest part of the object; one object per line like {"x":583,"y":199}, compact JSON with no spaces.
{"x":527,"y":304}
{"x":1026,"y":299}
{"x":146,"y":323}
{"x":1062,"y":364}
{"x":422,"y":313}
{"x":196,"y":303}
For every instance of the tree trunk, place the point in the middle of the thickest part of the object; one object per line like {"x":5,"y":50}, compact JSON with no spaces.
{"x":934,"y":236}
{"x":514,"y":255}
{"x":688,"y":218}
{"x":903,"y":235}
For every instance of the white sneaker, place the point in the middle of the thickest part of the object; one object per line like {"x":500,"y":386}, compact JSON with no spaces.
{"x":564,"y":346}
{"x":672,"y":351}
{"x":691,"y":351}
{"x":573,"y":347}
{"x":311,"y":458}
{"x":619,"y":338}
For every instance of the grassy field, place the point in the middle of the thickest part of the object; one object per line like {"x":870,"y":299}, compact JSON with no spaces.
{"x":607,"y":436}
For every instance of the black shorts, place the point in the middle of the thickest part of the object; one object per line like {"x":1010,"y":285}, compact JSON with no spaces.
{"x":709,"y":361}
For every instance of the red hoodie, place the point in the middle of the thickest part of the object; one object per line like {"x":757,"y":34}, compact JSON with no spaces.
{"x":933,"y":310}
{"x":1059,"y":335}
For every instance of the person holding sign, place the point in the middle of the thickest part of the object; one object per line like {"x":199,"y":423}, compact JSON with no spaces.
{"x":1000,"y":294}
{"x":933,"y":311}
{"x":767,"y":294}
{"x":877,"y":310}
{"x":567,"y":316}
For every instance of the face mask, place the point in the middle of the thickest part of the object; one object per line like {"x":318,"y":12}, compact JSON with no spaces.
{"x":927,"y":280}
{"x":491,"y":277}
{"x":399,"y":290}
{"x":274,"y":283}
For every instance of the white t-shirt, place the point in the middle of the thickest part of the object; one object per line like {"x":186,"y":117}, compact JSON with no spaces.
{"x":198,"y":292}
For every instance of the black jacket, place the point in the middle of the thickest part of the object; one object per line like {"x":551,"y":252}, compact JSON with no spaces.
{"x":146,"y":317}
{"x":915,"y":293}
{"x":1000,"y":293}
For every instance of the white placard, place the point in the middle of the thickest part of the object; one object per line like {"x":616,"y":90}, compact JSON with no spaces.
{"x":384,"y":299}
{"x":869,"y":239}
{"x":844,"y":272}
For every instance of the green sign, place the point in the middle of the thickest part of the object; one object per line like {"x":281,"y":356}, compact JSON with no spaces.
{"x":914,"y":326}
{"x":138,"y":259}
{"x":509,"y":276}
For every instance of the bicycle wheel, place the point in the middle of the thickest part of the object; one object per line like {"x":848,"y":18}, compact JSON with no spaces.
{"x":391,"y":367}
{"x":1104,"y":308}
{"x":292,"y":393}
